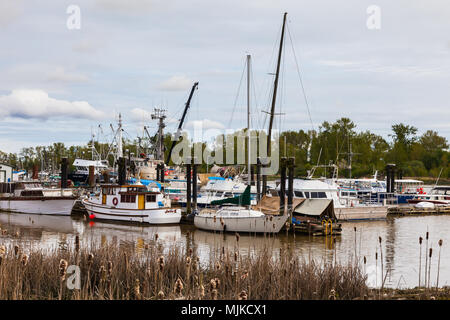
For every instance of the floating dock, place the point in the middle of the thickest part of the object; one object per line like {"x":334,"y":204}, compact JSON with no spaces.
{"x":409,"y":210}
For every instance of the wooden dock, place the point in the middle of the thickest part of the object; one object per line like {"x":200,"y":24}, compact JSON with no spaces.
{"x":409,"y":210}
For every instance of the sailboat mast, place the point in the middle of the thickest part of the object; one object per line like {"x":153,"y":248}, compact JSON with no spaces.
{"x":248,"y":119}
{"x":119,"y":138}
{"x":274,"y":99}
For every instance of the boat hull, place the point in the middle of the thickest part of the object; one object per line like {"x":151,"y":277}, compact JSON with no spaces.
{"x":151,"y":216}
{"x":266,"y":224}
{"x":61,"y":207}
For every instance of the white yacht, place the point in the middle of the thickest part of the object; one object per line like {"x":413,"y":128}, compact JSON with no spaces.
{"x":31,"y":197}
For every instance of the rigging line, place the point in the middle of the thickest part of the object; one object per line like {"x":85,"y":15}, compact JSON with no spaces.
{"x":256,"y":109}
{"x":300,"y":77}
{"x":237,"y":95}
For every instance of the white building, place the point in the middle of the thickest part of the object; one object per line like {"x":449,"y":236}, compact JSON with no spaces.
{"x":6,"y":173}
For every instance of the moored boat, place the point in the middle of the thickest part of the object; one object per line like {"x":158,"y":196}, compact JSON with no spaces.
{"x":31,"y":197}
{"x":133,"y":203}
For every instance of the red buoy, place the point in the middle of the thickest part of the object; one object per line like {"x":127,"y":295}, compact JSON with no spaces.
{"x":91,"y":216}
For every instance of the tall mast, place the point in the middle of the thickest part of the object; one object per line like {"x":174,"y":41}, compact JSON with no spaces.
{"x":248,"y":119}
{"x":274,"y":98}
{"x":119,"y":139}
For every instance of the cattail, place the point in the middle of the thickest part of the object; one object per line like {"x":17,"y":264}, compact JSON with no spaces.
{"x":102,"y":272}
{"x":109,"y":266}
{"x":146,"y":246}
{"x":379,"y":239}
{"x":160,"y":295}
{"x":235,"y":256}
{"x":190,"y":252}
{"x":332,"y":295}
{"x":439,"y":262}
{"x":62,"y":269}
{"x":429,"y":266}
{"x":237,"y":237}
{"x":188,"y":262}
{"x":77,"y":243}
{"x":161,"y":263}
{"x":217,"y":280}
{"x":178,"y":286}
{"x":242,"y":295}
{"x":212,"y":284}
{"x":16,"y":250}
{"x":1,"y":259}
{"x":156,"y":237}
{"x":137,"y":289}
{"x":90,"y":259}
{"x":24,"y":260}
{"x":420,"y":258}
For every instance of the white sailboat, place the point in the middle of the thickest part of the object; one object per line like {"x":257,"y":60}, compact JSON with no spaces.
{"x":240,"y":218}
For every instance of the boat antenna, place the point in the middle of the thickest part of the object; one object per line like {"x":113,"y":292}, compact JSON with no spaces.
{"x":248,"y":121}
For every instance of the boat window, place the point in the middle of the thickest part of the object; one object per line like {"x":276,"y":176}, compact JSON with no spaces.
{"x":321,"y":195}
{"x":126,"y":198}
{"x":31,"y":193}
{"x":228,"y":194}
{"x":306,"y":194}
{"x":314,"y":195}
{"x":219,"y":193}
{"x":298,"y":194}
{"x":151,"y":198}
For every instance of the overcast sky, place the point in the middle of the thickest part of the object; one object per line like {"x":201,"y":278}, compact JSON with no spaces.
{"x":57,"y":84}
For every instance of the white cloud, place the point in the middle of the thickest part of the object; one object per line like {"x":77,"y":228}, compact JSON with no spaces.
{"x":37,"y":104}
{"x":176,"y":83}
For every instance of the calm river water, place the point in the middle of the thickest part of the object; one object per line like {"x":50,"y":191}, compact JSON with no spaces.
{"x":400,"y":244}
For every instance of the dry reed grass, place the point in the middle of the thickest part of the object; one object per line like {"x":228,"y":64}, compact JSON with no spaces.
{"x":114,"y":271}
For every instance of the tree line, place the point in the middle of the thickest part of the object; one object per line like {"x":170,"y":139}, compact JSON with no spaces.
{"x":356,"y":153}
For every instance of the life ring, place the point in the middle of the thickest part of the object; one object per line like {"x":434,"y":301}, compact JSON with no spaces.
{"x":115,"y":201}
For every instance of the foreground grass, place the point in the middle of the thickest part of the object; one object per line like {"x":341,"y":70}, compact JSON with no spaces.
{"x":113,"y":271}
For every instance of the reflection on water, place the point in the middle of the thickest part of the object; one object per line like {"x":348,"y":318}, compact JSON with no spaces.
{"x":399,"y":246}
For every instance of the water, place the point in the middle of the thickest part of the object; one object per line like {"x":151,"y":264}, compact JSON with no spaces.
{"x":400,"y":244}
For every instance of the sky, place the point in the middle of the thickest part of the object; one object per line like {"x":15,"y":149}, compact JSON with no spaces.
{"x":59,"y":83}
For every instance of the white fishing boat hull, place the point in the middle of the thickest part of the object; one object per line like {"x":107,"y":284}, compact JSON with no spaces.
{"x":266,"y":224}
{"x":61,"y":207}
{"x":151,"y":216}
{"x":361,"y":213}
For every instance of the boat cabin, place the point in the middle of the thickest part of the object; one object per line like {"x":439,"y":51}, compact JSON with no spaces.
{"x":132,"y":197}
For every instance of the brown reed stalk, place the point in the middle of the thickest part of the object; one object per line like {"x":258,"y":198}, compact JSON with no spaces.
{"x":420,"y":258}
{"x":426,"y":258}
{"x":439,"y":263}
{"x":429,"y":266}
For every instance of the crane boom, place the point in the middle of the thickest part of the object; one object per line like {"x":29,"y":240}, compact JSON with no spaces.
{"x":180,"y":125}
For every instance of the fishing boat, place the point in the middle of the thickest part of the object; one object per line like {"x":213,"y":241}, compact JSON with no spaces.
{"x":132,"y":203}
{"x":31,"y":197}
{"x":236,"y":215}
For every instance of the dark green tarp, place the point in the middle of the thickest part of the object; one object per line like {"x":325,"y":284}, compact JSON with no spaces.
{"x":242,"y":200}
